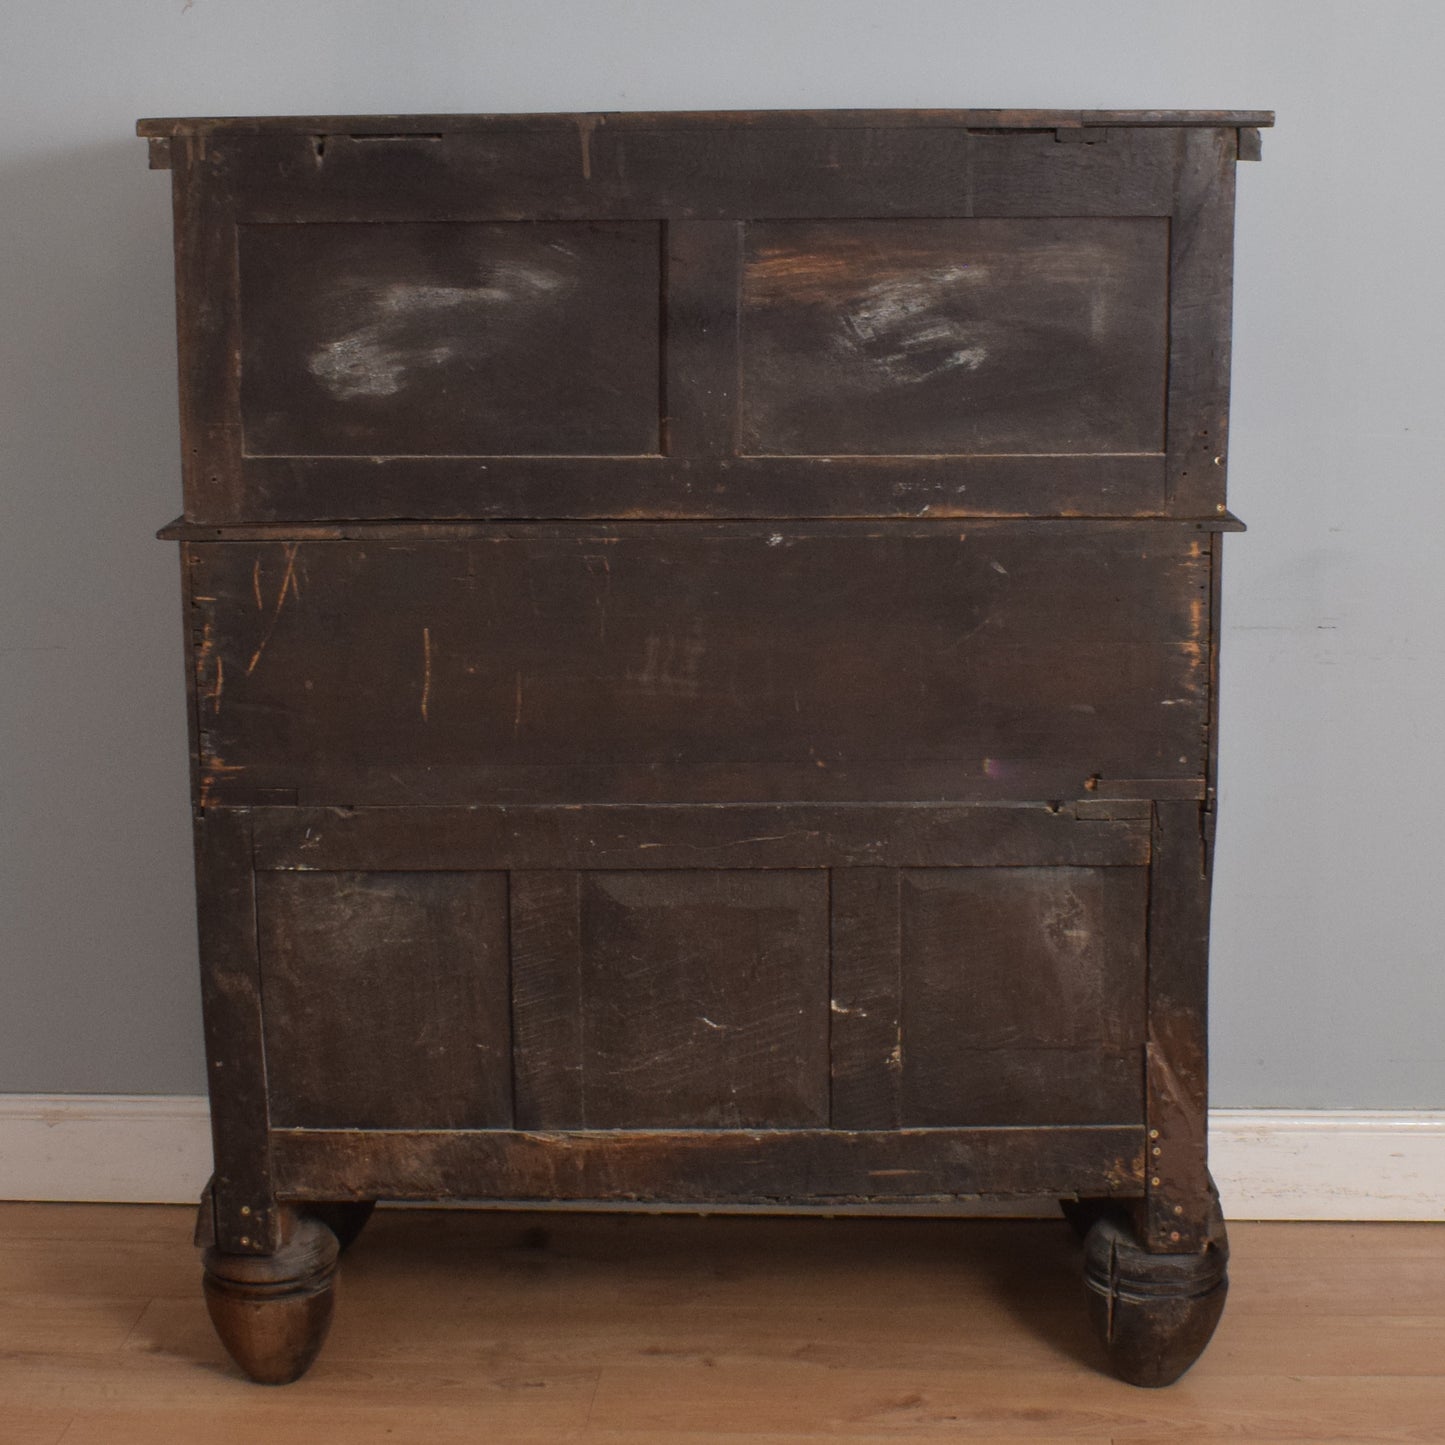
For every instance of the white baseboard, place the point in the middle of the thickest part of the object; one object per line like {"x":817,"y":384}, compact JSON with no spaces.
{"x":104,"y":1148}
{"x":1269,"y":1163}
{"x":1329,"y":1164}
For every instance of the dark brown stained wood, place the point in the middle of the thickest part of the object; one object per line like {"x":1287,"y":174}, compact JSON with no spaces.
{"x":1180,"y":1207}
{"x":684,"y":1166}
{"x":245,"y":1218}
{"x":1022,"y":995}
{"x":938,"y":337}
{"x":919,"y":835}
{"x":431,"y":339}
{"x":701,"y":289}
{"x":208,"y":344}
{"x":427,"y":261}
{"x":392,"y":125}
{"x":654,"y":667}
{"x":386,"y":999}
{"x":179,"y":530}
{"x":608,"y":174}
{"x":302,"y":489}
{"x":1201,"y":291}
{"x":1216,"y":589}
{"x":1154,"y":1313}
{"x":867,"y":1004}
{"x":548,"y":1050}
{"x":273,"y":1313}
{"x":681,"y":999}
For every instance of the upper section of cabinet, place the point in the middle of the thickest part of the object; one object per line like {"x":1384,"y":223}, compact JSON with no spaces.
{"x":811,"y":314}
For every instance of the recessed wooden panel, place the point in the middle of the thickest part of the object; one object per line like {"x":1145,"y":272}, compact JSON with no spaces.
{"x":717,"y":664}
{"x":430,"y":339}
{"x":678,"y":999}
{"x":1022,"y":995}
{"x":385,"y":997}
{"x":955,"y":336}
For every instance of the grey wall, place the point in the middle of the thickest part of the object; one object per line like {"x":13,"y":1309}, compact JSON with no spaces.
{"x":1329,"y":913}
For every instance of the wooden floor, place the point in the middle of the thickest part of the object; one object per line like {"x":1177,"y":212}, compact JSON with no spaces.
{"x":620,"y":1330}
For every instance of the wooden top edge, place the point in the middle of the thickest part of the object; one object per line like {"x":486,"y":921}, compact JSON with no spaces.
{"x":181,"y":530}
{"x":699,"y":120}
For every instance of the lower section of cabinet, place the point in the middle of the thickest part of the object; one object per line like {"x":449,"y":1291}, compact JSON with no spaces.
{"x":996,"y":980}
{"x":781,"y":1004}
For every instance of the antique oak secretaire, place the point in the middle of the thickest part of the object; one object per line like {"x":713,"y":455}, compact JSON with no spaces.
{"x":701,"y":641}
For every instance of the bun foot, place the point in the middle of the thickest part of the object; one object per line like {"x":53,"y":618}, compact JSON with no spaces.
{"x":1155,"y":1313}
{"x":272,"y":1311}
{"x":345,"y":1219}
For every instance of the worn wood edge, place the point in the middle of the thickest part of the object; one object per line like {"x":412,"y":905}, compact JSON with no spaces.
{"x":1270,"y":1164}
{"x":460,"y":529}
{"x":693,"y":1166}
{"x":655,"y":836}
{"x":1012,"y":119}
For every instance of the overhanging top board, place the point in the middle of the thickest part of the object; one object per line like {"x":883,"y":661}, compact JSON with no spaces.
{"x":644,"y":120}
{"x":735,"y":315}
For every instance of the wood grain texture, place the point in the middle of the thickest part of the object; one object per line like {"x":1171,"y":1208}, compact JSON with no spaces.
{"x":673,"y":1000}
{"x":1202,"y":290}
{"x":1013,"y":665}
{"x":1180,"y":1205}
{"x":387,"y":999}
{"x":303,"y":489}
{"x":403,"y":125}
{"x":240,"y":1194}
{"x":422,"y":339}
{"x":1004,"y":281}
{"x":866,"y":1050}
{"x":711,"y":1166}
{"x":1022,"y":995}
{"x":937,"y":337}
{"x":725,"y":835}
{"x":618,"y":1330}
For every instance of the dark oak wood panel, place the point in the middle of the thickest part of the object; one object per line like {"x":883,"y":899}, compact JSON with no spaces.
{"x":673,"y":999}
{"x":386,"y":999}
{"x":985,"y":996}
{"x":304,"y":489}
{"x":1008,"y":665}
{"x":453,"y":339}
{"x":840,"y":835}
{"x":938,"y":337}
{"x":1022,"y":997}
{"x":449,"y":303}
{"x":699,"y":1166}
{"x":1180,"y":1207}
{"x":867,"y":996}
{"x":240,"y":1213}
{"x":602,"y":173}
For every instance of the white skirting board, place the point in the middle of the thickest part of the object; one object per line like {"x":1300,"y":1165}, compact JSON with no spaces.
{"x":1269,"y":1163}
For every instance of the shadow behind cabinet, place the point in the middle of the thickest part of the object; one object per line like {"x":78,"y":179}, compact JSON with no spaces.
{"x":701,"y":650}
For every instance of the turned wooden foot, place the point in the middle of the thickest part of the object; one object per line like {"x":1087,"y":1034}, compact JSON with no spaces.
{"x":1154,"y":1312}
{"x":344,"y":1218}
{"x":272,"y":1311}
